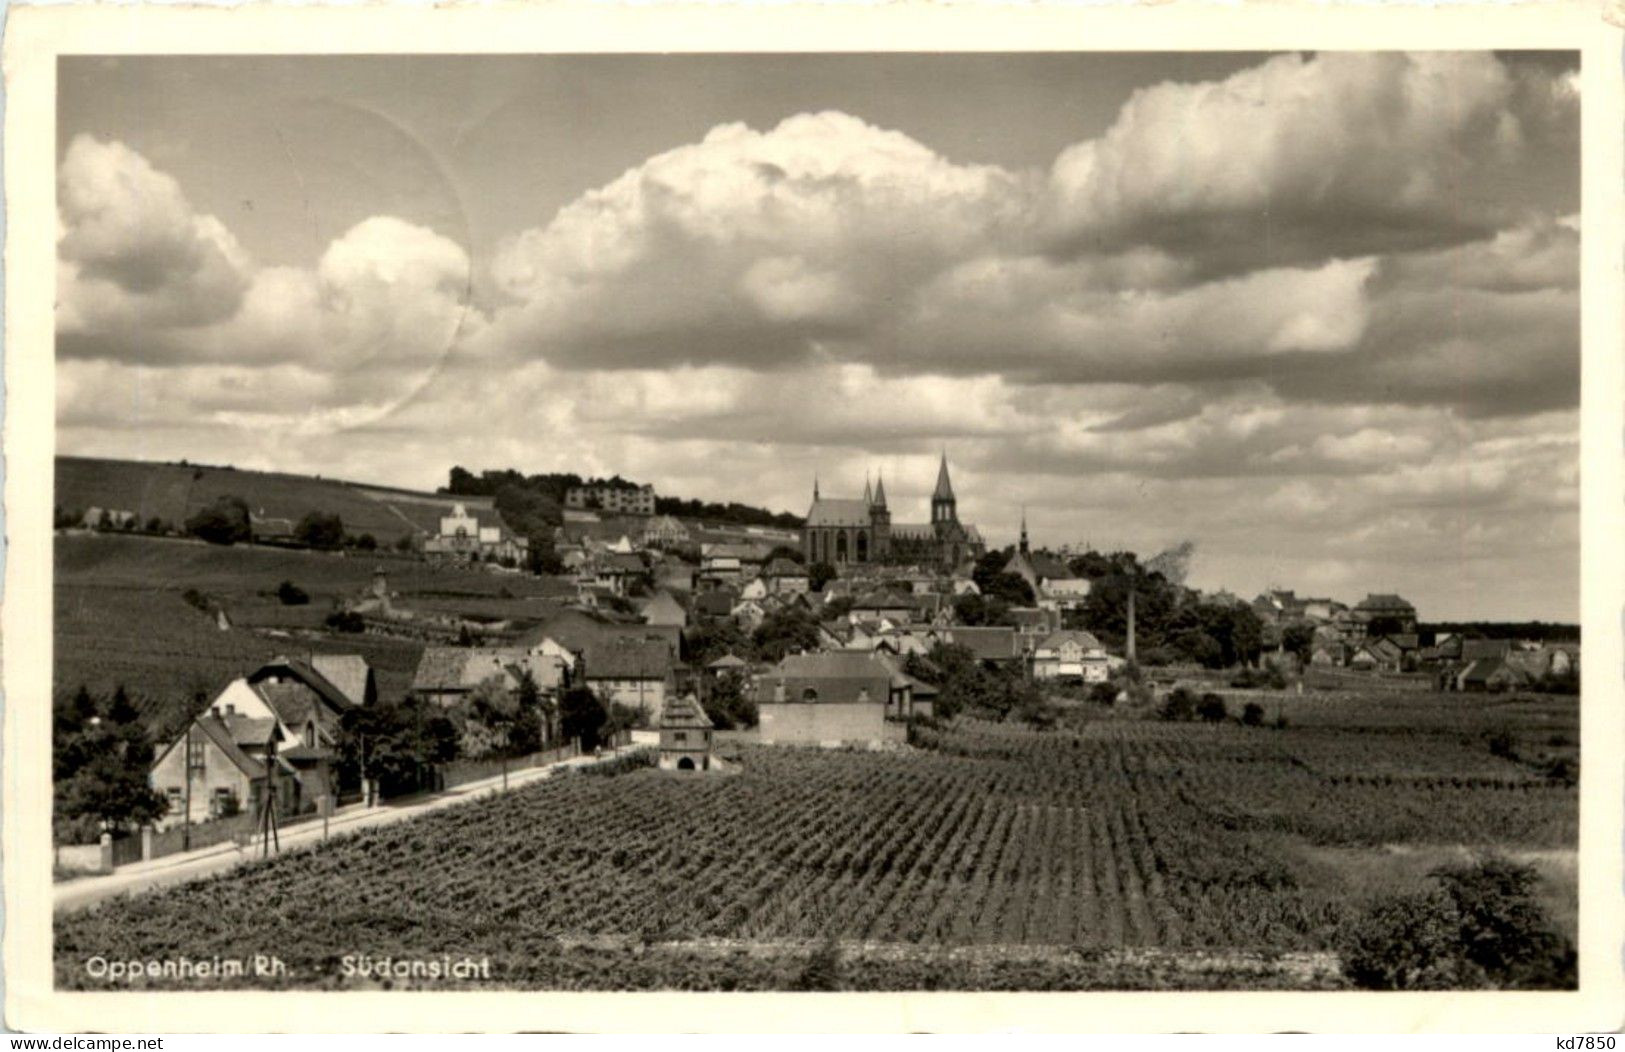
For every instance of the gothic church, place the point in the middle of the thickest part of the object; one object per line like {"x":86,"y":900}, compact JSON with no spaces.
{"x":843,"y":532}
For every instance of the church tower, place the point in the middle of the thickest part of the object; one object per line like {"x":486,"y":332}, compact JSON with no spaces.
{"x":944,"y":514}
{"x":1023,"y":529}
{"x":880,"y":524}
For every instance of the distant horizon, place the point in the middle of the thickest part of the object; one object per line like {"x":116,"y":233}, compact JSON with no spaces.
{"x":1140,"y":552}
{"x":1321,"y":306}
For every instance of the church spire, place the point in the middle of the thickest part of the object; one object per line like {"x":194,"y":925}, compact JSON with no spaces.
{"x":815,"y":485}
{"x":880,"y":491}
{"x":945,"y":489}
{"x":868,"y":494}
{"x":1024,"y":529}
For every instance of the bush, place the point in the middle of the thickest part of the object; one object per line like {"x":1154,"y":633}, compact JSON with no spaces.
{"x":195,"y":598}
{"x":1404,"y":942}
{"x":225,"y":521}
{"x":1252,"y":715}
{"x":291,"y":594}
{"x":320,"y":529}
{"x":1502,"y":744}
{"x":366,"y":542}
{"x":1103,"y":693}
{"x":1211,"y":708}
{"x":1479,"y":925}
{"x":346,"y":621}
{"x":1180,"y":705}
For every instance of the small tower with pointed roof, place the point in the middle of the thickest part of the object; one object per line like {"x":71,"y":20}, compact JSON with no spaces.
{"x":685,"y":736}
{"x":1024,"y":548}
{"x":944,"y":513}
{"x":879,"y":523}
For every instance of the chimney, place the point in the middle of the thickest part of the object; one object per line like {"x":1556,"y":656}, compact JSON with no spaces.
{"x":1129,"y":650}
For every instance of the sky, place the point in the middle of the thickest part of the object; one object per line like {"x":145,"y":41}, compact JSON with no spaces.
{"x":1317,"y":313}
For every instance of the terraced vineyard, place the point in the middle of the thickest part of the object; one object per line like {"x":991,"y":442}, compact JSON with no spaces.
{"x":984,"y":858}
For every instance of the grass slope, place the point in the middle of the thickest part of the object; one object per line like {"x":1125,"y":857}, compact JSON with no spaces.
{"x":173,"y":492}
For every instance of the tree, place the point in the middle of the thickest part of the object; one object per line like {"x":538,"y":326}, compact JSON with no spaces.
{"x":785,"y":551}
{"x":1384,"y":625}
{"x":155,"y":525}
{"x":785,"y":631}
{"x":291,"y":594}
{"x":1252,"y":715}
{"x":1504,"y":932}
{"x":320,"y":529}
{"x":404,"y":543}
{"x":366,"y":542}
{"x":1211,"y":708}
{"x":1298,"y":638}
{"x":346,"y":621}
{"x":820,"y":574}
{"x":226,"y":521}
{"x":102,"y":761}
{"x":582,"y":717}
{"x":492,"y":715}
{"x":541,"y":558}
{"x":727,"y":704}
{"x":531,"y":725}
{"x":972,"y":609}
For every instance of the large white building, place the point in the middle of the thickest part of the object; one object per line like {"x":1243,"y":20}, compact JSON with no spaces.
{"x":623,"y":498}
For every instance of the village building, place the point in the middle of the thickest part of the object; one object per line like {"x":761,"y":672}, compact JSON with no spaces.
{"x":632,"y":671}
{"x":664,"y":531}
{"x":449,"y":676}
{"x":662,"y":609}
{"x":1054,"y":585}
{"x":784,"y":577}
{"x":1071,"y":656}
{"x":834,"y":697}
{"x":841,"y":532}
{"x":280,"y":721}
{"x":614,"y":495}
{"x":467,"y":537}
{"x":685,"y":736}
{"x":1388,"y":608}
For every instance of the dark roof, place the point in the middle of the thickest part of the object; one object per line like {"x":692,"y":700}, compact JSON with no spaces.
{"x":717,"y":603}
{"x":1383,"y":601}
{"x":216,"y":731}
{"x":829,"y":511}
{"x":782,"y":567}
{"x":1086,"y":640}
{"x":988,"y":643}
{"x":684,"y":713}
{"x":1473,"y":649}
{"x":336,"y":700}
{"x":835,"y":676}
{"x":350,"y":673}
{"x":628,"y":658}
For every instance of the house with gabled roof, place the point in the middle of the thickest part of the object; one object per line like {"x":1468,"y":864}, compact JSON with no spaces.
{"x":685,"y":736}
{"x":840,"y":696}
{"x":220,"y":766}
{"x":636,"y":671}
{"x":1074,"y":656}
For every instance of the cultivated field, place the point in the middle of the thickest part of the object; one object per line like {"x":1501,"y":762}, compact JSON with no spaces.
{"x":120,"y":618}
{"x":1122,"y":855}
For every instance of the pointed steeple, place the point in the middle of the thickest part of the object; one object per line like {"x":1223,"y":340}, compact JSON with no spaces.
{"x":1024,"y":529}
{"x":868,"y":493}
{"x":880,"y":491}
{"x":815,"y":485}
{"x":945,"y":489}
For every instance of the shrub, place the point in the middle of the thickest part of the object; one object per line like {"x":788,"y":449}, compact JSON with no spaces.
{"x":1103,"y":693}
{"x":197,"y":599}
{"x":1404,"y":942}
{"x":1565,"y":769}
{"x":366,"y":542}
{"x":1179,"y":705}
{"x":1502,"y":744}
{"x":225,"y":521}
{"x":155,"y":525}
{"x":320,"y":529}
{"x":1253,"y":714}
{"x":291,"y":594}
{"x":346,"y":621}
{"x":1211,"y":708}
{"x":403,"y":543}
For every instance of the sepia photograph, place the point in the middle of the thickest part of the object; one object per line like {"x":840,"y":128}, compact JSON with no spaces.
{"x":844,"y":521}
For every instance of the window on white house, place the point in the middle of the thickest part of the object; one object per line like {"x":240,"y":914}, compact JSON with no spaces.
{"x":679,"y":736}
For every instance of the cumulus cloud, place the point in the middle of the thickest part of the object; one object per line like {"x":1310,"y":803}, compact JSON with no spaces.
{"x":132,"y":252}
{"x":1306,"y":158}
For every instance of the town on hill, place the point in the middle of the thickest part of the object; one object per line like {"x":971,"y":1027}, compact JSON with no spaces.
{"x":263,"y":651}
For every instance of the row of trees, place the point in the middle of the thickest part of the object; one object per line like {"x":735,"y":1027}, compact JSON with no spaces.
{"x":227,"y":521}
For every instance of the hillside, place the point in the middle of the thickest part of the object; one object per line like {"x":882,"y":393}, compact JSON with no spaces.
{"x":173,"y":492}
{"x":122,"y":618}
